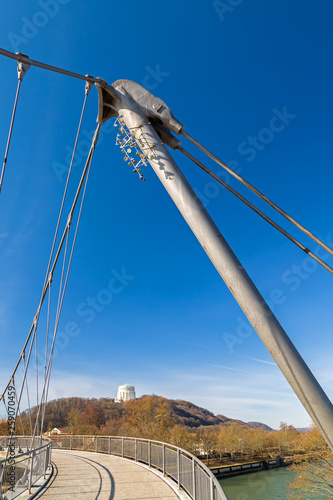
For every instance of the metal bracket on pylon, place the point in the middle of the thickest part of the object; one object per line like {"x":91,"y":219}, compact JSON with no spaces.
{"x":89,"y":84}
{"x":125,"y":94}
{"x":22,"y":65}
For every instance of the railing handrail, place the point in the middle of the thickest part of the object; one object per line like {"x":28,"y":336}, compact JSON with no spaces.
{"x":37,"y":460}
{"x":26,"y":452}
{"x":195,"y":461}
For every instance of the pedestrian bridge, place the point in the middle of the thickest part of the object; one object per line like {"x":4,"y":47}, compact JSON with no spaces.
{"x":106,"y":467}
{"x":85,"y":475}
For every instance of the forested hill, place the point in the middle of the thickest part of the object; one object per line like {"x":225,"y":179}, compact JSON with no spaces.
{"x":103,"y":411}
{"x":194,"y":416}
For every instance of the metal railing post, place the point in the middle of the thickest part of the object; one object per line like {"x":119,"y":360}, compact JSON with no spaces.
{"x":163,"y":458}
{"x":211,"y":489}
{"x":46,"y":451}
{"x":30,"y":473}
{"x":193,"y":479}
{"x":198,"y":470}
{"x":2,"y":471}
{"x":178,"y":467}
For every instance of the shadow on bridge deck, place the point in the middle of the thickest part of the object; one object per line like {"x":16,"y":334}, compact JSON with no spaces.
{"x":90,"y":476}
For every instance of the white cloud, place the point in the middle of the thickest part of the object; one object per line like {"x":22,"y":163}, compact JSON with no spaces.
{"x":230,"y":368}
{"x":261,"y":395}
{"x":263,"y":361}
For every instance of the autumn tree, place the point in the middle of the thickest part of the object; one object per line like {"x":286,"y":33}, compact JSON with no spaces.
{"x":258,"y":439}
{"x":315,"y":472}
{"x":112,"y":428}
{"x":149,"y":416}
{"x":91,"y":418}
{"x":75,"y":421}
{"x":208,"y":441}
{"x":287,"y":438}
{"x":4,"y":426}
{"x":179,"y":436}
{"x":231,"y":439}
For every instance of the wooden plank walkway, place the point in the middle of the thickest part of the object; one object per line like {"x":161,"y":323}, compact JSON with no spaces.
{"x":95,"y":476}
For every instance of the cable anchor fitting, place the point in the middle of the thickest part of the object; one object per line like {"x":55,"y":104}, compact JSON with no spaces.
{"x":69,"y":220}
{"x":23,"y":65}
{"x":95,"y":138}
{"x":89,"y":84}
{"x":36,"y":318}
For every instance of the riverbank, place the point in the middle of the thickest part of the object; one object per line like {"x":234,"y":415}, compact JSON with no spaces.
{"x":248,"y":467}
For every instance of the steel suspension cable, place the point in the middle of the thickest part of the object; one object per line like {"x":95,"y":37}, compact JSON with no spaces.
{"x":258,"y":193}
{"x":36,"y":360}
{"x":90,"y":154}
{"x":12,"y":434}
{"x":46,"y":345}
{"x":21,"y":70}
{"x":24,"y":64}
{"x":28,"y":399}
{"x":62,"y":277}
{"x":9,"y":134}
{"x":24,"y":58}
{"x":86,"y":93}
{"x":39,"y":404}
{"x":255,"y":209}
{"x":4,"y":402}
{"x":47,"y":378}
{"x":24,"y":380}
{"x":20,"y":416}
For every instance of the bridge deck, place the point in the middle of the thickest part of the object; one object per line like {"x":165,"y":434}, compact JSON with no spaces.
{"x":90,"y":476}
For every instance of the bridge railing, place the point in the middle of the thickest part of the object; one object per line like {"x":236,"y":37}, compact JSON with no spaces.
{"x":19,"y":469}
{"x":188,"y":472}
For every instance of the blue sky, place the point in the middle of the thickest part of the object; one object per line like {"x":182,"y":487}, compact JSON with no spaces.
{"x":226,"y":69}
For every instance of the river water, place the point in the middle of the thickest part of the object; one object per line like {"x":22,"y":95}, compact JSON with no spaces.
{"x":265,"y":485}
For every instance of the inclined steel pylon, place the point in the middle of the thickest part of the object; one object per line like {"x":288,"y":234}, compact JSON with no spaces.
{"x":143,"y":114}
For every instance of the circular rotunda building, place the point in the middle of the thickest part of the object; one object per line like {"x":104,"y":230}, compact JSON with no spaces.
{"x":125,"y":392}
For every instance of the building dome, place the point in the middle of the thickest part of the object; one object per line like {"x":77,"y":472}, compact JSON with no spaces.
{"x":125,"y":392}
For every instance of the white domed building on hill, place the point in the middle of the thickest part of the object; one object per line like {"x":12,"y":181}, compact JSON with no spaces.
{"x":125,"y":392}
